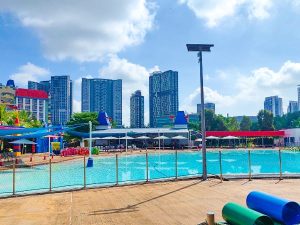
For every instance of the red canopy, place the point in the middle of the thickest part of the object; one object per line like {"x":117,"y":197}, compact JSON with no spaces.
{"x":263,"y":133}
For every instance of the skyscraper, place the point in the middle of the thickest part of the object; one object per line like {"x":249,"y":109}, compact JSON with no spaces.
{"x":274,"y":105}
{"x":208,"y":105}
{"x":102,"y":95}
{"x":61,"y":99}
{"x":137,"y":110}
{"x":163,"y":95}
{"x":43,"y":86}
{"x":293,"y":107}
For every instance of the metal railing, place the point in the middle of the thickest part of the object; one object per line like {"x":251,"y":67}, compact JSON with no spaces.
{"x":123,"y":169}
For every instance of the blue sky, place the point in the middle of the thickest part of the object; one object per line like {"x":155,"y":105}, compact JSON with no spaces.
{"x":256,"y":51}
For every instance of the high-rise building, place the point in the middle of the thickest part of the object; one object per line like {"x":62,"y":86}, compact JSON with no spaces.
{"x":102,"y":95}
{"x":274,"y":105}
{"x":61,"y":99}
{"x":293,"y":107}
{"x":137,"y":110}
{"x":163,"y":95}
{"x":208,"y":106}
{"x":42,"y":86}
{"x":33,"y":101}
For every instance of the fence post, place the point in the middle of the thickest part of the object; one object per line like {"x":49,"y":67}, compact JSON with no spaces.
{"x":117,"y":170}
{"x":14,"y":177}
{"x":220,"y":161}
{"x":280,"y":165}
{"x":84,"y":173}
{"x":176,"y":164}
{"x":50,"y":174}
{"x":147,"y":168}
{"x":249,"y":162}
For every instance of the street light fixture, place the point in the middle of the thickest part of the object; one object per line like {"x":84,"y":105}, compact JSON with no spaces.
{"x":201,"y":48}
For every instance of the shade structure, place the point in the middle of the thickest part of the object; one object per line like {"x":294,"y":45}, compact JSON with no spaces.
{"x":212,"y":137}
{"x":143,"y":137}
{"x":198,"y":139}
{"x":126,"y":138}
{"x":109,"y":138}
{"x":161,"y":137}
{"x":230,"y":138}
{"x":179,"y":137}
{"x":23,"y":142}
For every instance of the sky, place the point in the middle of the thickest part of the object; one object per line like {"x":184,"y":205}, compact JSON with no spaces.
{"x":256,"y":49}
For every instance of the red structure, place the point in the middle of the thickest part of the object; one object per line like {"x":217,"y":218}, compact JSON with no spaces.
{"x":267,"y":133}
{"x":28,"y":93}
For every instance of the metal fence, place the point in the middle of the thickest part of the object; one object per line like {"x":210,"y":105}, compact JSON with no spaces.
{"x":120,"y":169}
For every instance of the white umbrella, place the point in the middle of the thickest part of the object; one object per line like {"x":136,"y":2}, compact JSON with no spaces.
{"x":23,"y":142}
{"x":126,"y":138}
{"x":179,"y":137}
{"x":230,"y":138}
{"x":109,"y":138}
{"x":161,"y":137}
{"x":143,"y":137}
{"x":212,"y":137}
{"x":198,"y":139}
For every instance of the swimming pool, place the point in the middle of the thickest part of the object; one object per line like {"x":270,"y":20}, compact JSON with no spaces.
{"x":133,"y":168}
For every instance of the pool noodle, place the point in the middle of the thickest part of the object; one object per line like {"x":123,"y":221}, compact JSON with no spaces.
{"x":236,"y":214}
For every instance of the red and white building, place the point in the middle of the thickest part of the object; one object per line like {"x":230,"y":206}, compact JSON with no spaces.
{"x":34,"y":102}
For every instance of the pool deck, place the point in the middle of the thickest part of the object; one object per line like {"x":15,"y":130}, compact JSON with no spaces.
{"x":181,"y":202}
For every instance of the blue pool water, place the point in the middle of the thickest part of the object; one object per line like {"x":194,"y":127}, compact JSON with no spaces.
{"x":133,"y":169}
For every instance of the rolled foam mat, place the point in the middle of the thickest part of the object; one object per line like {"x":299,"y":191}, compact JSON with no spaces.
{"x":236,"y":214}
{"x":284,"y":211}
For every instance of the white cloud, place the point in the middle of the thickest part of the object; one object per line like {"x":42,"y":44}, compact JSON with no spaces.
{"x":134,"y":76}
{"x":250,"y":91}
{"x":84,"y":30}
{"x":213,"y":12}
{"x":76,"y":106}
{"x":28,"y":72}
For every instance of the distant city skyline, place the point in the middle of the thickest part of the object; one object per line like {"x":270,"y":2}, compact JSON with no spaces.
{"x":248,"y":62}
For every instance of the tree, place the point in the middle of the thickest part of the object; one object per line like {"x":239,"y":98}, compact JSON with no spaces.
{"x":219,"y":123}
{"x":232,"y":124}
{"x":254,"y":126}
{"x":82,"y":120}
{"x":265,"y":120}
{"x":245,"y":123}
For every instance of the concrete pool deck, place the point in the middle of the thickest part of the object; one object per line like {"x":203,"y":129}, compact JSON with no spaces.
{"x":182,"y":202}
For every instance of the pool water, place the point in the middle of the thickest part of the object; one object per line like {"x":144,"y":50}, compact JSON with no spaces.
{"x":132,"y":168}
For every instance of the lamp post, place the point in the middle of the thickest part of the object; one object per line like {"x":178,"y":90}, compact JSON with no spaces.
{"x":90,"y":159}
{"x":201,"y":48}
